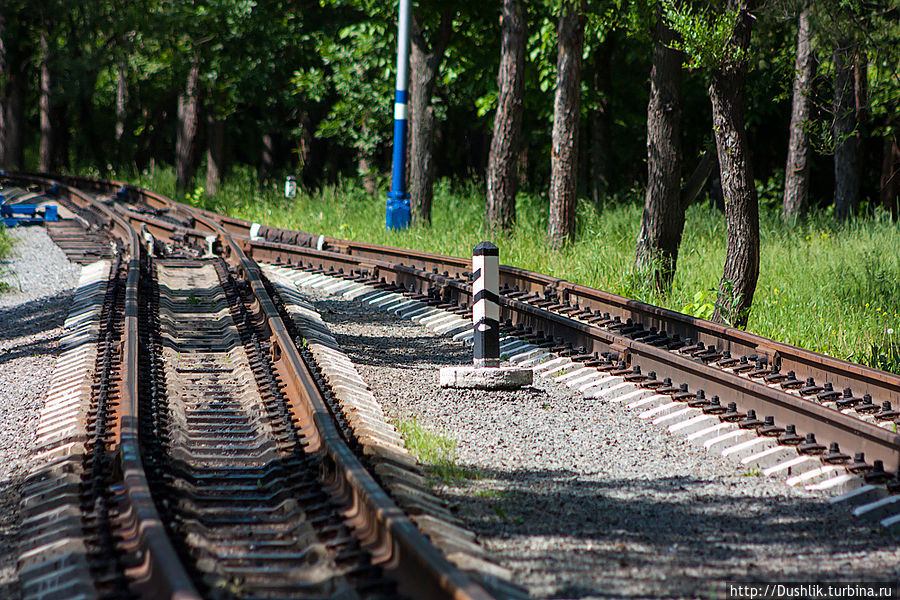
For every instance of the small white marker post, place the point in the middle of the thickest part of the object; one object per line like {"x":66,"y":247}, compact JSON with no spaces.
{"x":486,"y":372}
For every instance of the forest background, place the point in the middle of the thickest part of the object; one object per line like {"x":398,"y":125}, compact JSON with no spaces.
{"x":733,"y":159}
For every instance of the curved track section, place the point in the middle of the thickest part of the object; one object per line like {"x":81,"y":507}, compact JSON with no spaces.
{"x":202,"y":459}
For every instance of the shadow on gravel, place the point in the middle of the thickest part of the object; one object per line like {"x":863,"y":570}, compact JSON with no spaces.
{"x":30,"y":319}
{"x":677,"y":534}
{"x":9,"y":541}
{"x":394,"y":352}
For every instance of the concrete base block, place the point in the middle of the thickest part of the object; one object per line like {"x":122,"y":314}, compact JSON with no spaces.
{"x":486,"y":378}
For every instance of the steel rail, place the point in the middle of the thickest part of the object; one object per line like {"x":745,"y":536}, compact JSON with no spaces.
{"x":393,"y":539}
{"x":160,"y":573}
{"x":405,"y":268}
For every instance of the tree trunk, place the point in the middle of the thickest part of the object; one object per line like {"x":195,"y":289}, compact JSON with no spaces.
{"x":365,"y":166}
{"x":522,"y":164}
{"x":601,"y":119}
{"x":726,"y":92}
{"x":45,"y":159}
{"x":12,"y":100}
{"x":890,"y":171}
{"x":267,"y":161}
{"x":188,"y":125}
{"x":4,"y":86}
{"x":846,"y":175}
{"x":697,"y":180}
{"x":796,"y":176}
{"x":566,"y":118}
{"x":861,"y":105}
{"x":424,"y":65}
{"x":502,"y":179}
{"x":663,"y":221}
{"x":215,"y":152}
{"x":121,"y":104}
{"x":61,"y":136}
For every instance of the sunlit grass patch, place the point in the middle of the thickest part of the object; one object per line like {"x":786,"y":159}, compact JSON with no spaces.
{"x":436,"y":452}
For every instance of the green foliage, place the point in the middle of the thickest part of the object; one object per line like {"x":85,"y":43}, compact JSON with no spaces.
{"x":702,"y":304}
{"x":357,"y":73}
{"x":705,"y":34}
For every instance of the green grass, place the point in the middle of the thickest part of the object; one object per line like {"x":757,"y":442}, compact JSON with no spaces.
{"x":6,"y":244}
{"x":433,"y":450}
{"x":831,"y":288}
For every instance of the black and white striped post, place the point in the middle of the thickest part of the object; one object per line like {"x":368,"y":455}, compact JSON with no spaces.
{"x":486,"y":304}
{"x":486,"y":372}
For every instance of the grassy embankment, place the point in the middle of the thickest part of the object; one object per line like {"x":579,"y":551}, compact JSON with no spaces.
{"x":831,"y":288}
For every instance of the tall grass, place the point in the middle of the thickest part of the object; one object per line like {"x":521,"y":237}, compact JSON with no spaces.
{"x":827,"y":287}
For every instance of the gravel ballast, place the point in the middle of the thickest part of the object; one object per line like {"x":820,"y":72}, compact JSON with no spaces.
{"x":32,"y":312}
{"x":579,"y":498}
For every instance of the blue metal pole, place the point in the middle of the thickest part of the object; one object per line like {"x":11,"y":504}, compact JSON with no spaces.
{"x":397,"y":213}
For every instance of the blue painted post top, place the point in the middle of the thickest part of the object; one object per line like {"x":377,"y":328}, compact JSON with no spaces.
{"x":397,"y":213}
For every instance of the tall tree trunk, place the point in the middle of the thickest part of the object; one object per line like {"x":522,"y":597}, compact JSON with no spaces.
{"x":726,"y":92}
{"x":267,"y":160}
{"x":12,"y":99}
{"x":188,"y":125}
{"x":121,"y":104}
{"x":663,"y":221}
{"x":502,"y":179}
{"x":365,"y":166}
{"x":45,"y":159}
{"x":796,"y":175}
{"x":846,"y":175}
{"x":861,"y":105}
{"x":566,"y":119}
{"x":601,"y":119}
{"x":61,"y":136}
{"x":890,"y":171}
{"x":215,"y":152}
{"x":424,"y":65}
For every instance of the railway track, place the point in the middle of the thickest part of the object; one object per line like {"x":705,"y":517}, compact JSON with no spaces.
{"x":818,"y":420}
{"x":187,"y":448}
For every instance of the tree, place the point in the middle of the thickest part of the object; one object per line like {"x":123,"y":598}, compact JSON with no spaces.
{"x":566,"y":121}
{"x":601,"y":117}
{"x":188,"y":126}
{"x":846,"y":174}
{"x":890,"y":171}
{"x":425,"y":60}
{"x":502,"y":176}
{"x":663,"y":220}
{"x":796,"y":174}
{"x":720,"y":41}
{"x":13,"y":73}
{"x":46,"y":154}
{"x":726,"y":93}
